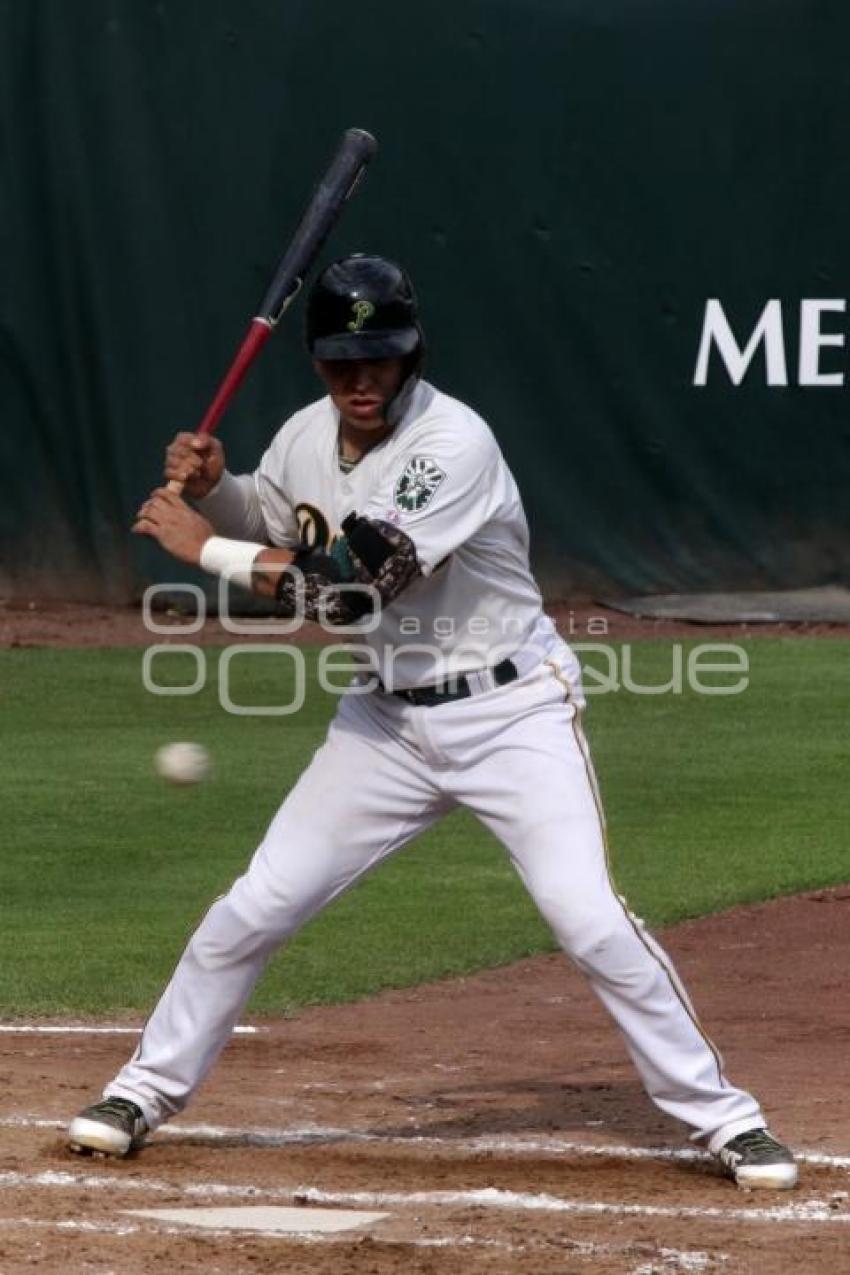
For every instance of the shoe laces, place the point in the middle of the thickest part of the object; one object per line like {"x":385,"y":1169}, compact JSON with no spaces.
{"x":120,"y":1107}
{"x":754,"y":1140}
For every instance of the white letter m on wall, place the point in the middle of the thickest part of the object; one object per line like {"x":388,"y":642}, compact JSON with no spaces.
{"x":716,"y":330}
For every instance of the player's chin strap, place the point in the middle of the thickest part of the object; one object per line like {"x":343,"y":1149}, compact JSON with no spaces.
{"x":365,"y":569}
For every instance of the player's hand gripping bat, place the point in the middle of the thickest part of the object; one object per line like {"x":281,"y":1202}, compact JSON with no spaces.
{"x":342,"y":175}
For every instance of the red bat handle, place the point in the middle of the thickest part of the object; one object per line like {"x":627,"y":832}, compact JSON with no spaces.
{"x":255,"y":338}
{"x":257,"y":335}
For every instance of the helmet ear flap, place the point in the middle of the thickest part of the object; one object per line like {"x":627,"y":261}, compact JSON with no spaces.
{"x":414,"y":362}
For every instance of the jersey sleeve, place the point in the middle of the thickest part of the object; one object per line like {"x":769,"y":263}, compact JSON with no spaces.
{"x":233,"y":508}
{"x":441,"y":490}
{"x":269,"y":480}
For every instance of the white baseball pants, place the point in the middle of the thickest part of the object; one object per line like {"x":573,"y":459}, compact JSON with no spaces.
{"x":516,"y":756}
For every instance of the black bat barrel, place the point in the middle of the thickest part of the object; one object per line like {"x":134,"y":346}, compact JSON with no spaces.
{"x":342,"y":175}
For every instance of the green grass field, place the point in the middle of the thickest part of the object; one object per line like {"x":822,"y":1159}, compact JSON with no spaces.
{"x":106,"y":869}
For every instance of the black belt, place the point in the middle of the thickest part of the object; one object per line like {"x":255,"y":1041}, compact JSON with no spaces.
{"x":456,"y":687}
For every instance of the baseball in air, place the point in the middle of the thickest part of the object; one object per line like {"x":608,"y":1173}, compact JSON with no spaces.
{"x":182,"y":763}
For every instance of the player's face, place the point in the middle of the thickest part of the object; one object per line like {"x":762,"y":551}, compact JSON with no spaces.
{"x":361,"y":388}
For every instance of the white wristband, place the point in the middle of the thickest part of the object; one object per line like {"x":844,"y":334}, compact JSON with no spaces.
{"x":231,"y":559}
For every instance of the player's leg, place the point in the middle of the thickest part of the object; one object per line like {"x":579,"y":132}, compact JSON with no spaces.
{"x":362,"y":797}
{"x":532,"y":783}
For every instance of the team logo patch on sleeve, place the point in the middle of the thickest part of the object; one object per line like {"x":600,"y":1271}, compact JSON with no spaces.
{"x":417,"y":484}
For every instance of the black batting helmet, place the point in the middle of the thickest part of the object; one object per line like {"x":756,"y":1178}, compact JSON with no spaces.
{"x":363,"y":307}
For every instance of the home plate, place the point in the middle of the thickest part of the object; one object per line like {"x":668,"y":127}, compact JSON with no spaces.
{"x":270,"y":1220}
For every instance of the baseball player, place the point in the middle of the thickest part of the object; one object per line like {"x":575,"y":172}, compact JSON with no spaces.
{"x":386,"y":508}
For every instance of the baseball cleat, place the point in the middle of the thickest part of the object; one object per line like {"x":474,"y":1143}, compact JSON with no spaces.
{"x":756,"y":1159}
{"x":111,"y":1127}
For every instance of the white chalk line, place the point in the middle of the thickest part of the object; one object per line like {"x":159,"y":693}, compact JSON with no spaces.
{"x":676,"y":1259}
{"x":560,"y":1146}
{"x":303,"y":1135}
{"x":306,"y":1237}
{"x":131,"y":1228}
{"x":83,"y":1029}
{"x":681,"y":1259}
{"x":71,"y":1224}
{"x":306,"y":1135}
{"x":493,"y":1197}
{"x":812,"y":1210}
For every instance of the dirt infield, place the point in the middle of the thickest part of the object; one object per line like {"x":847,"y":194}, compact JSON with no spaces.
{"x":494,"y":1119}
{"x":35,"y":622}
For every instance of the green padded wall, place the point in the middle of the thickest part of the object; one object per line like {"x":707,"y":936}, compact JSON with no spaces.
{"x":568,"y":181}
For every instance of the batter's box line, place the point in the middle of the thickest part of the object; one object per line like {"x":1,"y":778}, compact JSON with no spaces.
{"x":682,"y":1259}
{"x":151,"y":1227}
{"x":87,"y":1029}
{"x":808,"y":1211}
{"x":312,"y":1134}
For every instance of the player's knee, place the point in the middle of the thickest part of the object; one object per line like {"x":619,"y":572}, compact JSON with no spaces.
{"x":585,"y":932}
{"x":230,"y":933}
{"x":591,"y":943}
{"x":607,"y":947}
{"x":280,"y":900}
{"x":592,"y":946}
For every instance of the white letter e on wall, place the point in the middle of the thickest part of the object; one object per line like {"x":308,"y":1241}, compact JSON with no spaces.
{"x":812,"y":340}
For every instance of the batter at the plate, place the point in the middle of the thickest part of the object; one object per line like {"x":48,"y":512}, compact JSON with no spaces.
{"x":395,"y":504}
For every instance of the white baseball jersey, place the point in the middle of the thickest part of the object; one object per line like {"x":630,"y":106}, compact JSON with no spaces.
{"x":442,"y":479}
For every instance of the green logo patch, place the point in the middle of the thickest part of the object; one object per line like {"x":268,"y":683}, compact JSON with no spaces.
{"x":417,"y":484}
{"x":363,"y":310}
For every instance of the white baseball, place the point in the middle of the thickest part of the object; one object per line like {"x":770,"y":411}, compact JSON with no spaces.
{"x":182,"y":763}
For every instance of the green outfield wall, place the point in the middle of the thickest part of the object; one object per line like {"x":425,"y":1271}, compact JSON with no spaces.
{"x":627,"y":223}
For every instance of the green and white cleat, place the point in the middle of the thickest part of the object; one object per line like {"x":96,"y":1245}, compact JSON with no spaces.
{"x":756,"y":1159}
{"x":114,"y":1127}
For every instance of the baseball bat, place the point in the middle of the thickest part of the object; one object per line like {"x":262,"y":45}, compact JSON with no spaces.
{"x":342,"y":175}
